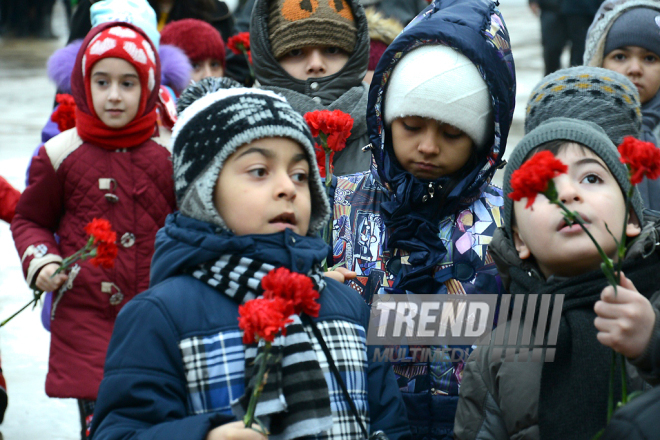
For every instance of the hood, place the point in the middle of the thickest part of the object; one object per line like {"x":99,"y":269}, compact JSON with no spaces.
{"x":185,"y":242}
{"x":651,"y":118}
{"x":269,"y":73}
{"x":607,"y":14}
{"x":476,"y":29}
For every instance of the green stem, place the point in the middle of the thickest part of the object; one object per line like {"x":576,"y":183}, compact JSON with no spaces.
{"x":624,"y":385}
{"x":252,"y":406}
{"x":610,"y":397}
{"x":247,"y":58}
{"x":621,"y":251}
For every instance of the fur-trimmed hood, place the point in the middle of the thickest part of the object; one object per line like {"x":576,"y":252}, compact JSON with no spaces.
{"x":382,"y":28}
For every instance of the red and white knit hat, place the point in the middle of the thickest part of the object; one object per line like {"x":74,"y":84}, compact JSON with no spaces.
{"x":125,"y":43}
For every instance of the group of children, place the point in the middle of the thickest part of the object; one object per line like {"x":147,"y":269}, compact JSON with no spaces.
{"x":236,"y":193}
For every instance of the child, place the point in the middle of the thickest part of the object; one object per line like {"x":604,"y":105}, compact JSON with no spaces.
{"x":537,"y":253}
{"x":316,"y":56}
{"x":107,"y":167}
{"x":382,"y":31}
{"x":625,"y":37}
{"x":250,"y":200}
{"x":201,"y":43}
{"x":420,"y":220}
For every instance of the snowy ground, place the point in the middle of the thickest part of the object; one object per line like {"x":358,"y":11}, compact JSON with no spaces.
{"x":26,"y":98}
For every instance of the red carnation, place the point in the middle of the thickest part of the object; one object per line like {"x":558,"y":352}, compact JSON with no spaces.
{"x":105,"y":255}
{"x":533,"y":176}
{"x":101,"y":230}
{"x":239,"y":43}
{"x":102,"y":235}
{"x":295,"y":289}
{"x":65,"y":113}
{"x":262,"y":318}
{"x":642,"y":159}
{"x":335,"y":125}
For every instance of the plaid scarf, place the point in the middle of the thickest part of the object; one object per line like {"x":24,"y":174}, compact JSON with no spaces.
{"x":295,"y":401}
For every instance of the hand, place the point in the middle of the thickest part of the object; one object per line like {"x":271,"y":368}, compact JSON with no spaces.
{"x":341,"y":274}
{"x":625,"y":322}
{"x":536,"y":9}
{"x":235,"y":431}
{"x":44,"y":280}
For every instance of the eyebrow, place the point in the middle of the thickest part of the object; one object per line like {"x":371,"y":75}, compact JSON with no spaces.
{"x":269,"y":154}
{"x":588,"y":160}
{"x":132,"y":75}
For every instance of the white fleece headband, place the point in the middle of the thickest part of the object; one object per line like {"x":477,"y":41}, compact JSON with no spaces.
{"x":436,"y":81}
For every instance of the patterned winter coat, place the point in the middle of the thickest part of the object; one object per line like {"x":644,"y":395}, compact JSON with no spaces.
{"x":177,"y":358}
{"x":404,"y":235}
{"x":71,"y":183}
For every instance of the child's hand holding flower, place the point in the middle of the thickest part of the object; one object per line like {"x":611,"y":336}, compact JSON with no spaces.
{"x":625,"y":320}
{"x":47,"y":282}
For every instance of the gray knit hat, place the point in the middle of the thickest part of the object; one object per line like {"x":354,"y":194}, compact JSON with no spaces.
{"x":594,"y":94}
{"x":572,"y":130}
{"x":635,"y":27}
{"x":214,"y":126}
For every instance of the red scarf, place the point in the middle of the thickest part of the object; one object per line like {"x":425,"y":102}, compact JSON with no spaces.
{"x":130,"y":43}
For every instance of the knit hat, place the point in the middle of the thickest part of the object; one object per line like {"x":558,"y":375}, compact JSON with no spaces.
{"x":198,"y":39}
{"x":438,"y":82}
{"x":138,"y":12}
{"x":571,"y":130}
{"x":293,"y":24}
{"x":594,"y":94}
{"x":214,"y":126}
{"x":635,"y":27}
{"x":382,"y":31}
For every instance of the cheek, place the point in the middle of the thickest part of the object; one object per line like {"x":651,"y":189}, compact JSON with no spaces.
{"x":614,"y":65}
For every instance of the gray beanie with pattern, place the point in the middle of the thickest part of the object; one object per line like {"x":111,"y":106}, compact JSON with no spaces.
{"x":214,"y":126}
{"x":593,"y":94}
{"x":571,"y":130}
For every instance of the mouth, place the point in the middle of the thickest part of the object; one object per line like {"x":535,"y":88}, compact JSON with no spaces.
{"x":286,"y":218}
{"x":426,"y":166}
{"x":115,"y":111}
{"x":563,"y":226}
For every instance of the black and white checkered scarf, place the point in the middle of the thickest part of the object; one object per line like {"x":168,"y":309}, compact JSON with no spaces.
{"x":295,"y":400}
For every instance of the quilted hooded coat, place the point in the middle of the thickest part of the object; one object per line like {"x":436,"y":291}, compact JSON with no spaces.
{"x":72,"y":182}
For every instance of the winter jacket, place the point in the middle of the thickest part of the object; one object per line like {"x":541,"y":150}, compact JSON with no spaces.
{"x":607,"y":14}
{"x":638,"y":420}
{"x":152,"y":391}
{"x":404,"y":235}
{"x":343,"y":91}
{"x":8,"y":200}
{"x":71,"y":183}
{"x":401,"y":11}
{"x":501,"y":400}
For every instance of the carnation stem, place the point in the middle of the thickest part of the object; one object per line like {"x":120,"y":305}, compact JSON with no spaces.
{"x":252,"y":406}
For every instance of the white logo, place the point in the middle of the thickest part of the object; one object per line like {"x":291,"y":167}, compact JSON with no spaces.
{"x":102,"y":46}
{"x":122,"y":32}
{"x":136,"y":53}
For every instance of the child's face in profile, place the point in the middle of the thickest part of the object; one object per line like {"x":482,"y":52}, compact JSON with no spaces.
{"x":263,"y":188}
{"x":208,"y":68}
{"x":115,"y":87}
{"x":641,"y":66}
{"x":429,"y":149}
{"x":313,"y":61}
{"x":588,"y":188}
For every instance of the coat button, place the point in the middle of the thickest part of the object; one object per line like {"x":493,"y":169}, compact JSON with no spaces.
{"x":314,"y":85}
{"x":316,"y":99}
{"x":127,"y":240}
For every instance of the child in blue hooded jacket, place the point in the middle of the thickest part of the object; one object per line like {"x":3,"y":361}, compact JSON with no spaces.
{"x":251,"y":200}
{"x":440,"y":107}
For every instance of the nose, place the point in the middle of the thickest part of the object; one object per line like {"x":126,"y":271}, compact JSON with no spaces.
{"x":285,"y":186}
{"x":428,"y":144}
{"x":567,"y":190}
{"x":634,"y":67}
{"x":316,"y":63}
{"x":114,"y":93}
{"x":206,"y":71}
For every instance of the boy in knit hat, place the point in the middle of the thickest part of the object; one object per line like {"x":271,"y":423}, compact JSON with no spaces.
{"x":201,"y":43}
{"x":251,"y":200}
{"x":420,"y":220}
{"x":109,"y":166}
{"x":537,"y":253}
{"x":315,"y":54}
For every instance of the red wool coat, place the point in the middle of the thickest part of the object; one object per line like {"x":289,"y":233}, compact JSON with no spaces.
{"x":72,"y":182}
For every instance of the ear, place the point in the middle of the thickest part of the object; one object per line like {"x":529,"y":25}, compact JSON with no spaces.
{"x":633,"y":228}
{"x":521,"y":247}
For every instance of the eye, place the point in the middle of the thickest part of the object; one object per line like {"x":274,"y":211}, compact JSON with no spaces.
{"x":258,"y":172}
{"x":299,"y":176}
{"x":215,"y":64}
{"x":651,"y":58}
{"x":332,"y":50}
{"x":410,"y":127}
{"x":619,"y":56}
{"x":101,"y":82}
{"x":295,"y":53}
{"x":592,"y":179}
{"x":452,"y":132}
{"x":128,"y":84}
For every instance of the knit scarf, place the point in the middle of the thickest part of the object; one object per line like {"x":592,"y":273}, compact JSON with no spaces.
{"x":135,"y":133}
{"x":574,"y":388}
{"x":295,"y":401}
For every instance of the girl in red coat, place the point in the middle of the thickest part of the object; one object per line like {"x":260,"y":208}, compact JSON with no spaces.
{"x":109,"y":166}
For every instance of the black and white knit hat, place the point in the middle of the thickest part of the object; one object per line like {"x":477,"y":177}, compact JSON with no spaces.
{"x":214,"y":126}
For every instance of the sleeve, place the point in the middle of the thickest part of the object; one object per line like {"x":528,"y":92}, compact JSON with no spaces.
{"x":478,"y":415}
{"x":648,"y":364}
{"x":8,"y":200}
{"x":387,"y":411}
{"x":143,"y":393}
{"x":37,"y":216}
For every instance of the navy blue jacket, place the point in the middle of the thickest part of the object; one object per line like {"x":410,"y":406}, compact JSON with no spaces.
{"x":154,"y":388}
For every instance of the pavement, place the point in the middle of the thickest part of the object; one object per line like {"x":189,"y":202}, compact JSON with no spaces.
{"x":26,"y":99}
